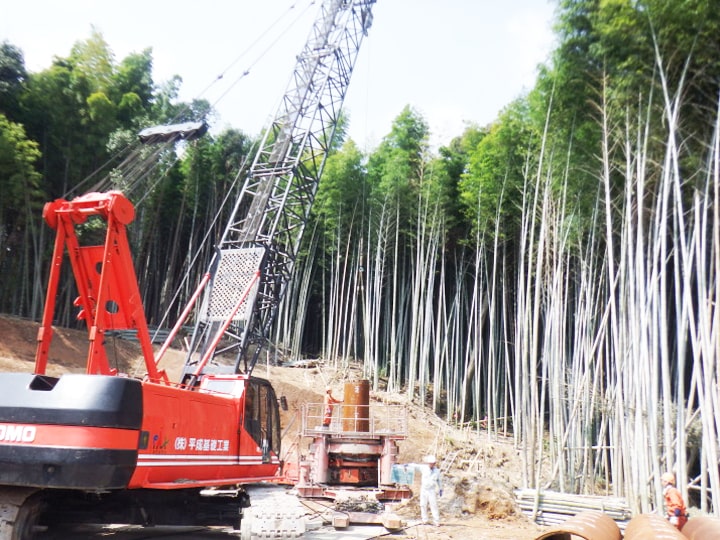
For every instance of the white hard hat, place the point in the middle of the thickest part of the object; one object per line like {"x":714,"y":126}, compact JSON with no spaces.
{"x":668,"y":477}
{"x":429,"y":459}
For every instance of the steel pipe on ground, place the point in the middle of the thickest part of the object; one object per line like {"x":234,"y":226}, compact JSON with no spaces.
{"x":702,"y":528}
{"x":590,"y":525}
{"x":651,"y":527}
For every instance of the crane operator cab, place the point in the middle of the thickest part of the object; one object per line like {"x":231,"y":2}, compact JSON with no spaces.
{"x":260,"y":417}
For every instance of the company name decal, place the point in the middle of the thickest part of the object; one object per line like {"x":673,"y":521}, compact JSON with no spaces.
{"x":17,"y":433}
{"x":202,"y":445}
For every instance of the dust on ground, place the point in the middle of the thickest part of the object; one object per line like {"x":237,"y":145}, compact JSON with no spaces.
{"x":480,"y":472}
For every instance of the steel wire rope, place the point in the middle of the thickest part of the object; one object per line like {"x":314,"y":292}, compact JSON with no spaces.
{"x":138,"y":166}
{"x":257,"y":40}
{"x":326,"y":507}
{"x":128,"y":167}
{"x":99,"y":185}
{"x":244,"y":74}
{"x":196,"y":255}
{"x":133,"y":149}
{"x":265,"y":51}
{"x":145,"y":171}
{"x":250,"y":154}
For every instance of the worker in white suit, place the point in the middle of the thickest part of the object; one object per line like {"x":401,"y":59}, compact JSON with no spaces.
{"x":430,"y":488}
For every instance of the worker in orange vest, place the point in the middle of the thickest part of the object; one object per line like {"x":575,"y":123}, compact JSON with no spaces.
{"x":674,"y":503}
{"x":329,"y":402}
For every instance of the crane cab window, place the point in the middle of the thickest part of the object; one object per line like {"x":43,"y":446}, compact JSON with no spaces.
{"x":221,"y":386}
{"x":262,"y":418}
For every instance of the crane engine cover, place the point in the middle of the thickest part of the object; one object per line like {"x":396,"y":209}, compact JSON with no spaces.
{"x":76,"y":431}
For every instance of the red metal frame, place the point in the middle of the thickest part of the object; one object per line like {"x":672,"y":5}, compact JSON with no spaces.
{"x":108,"y":293}
{"x":190,"y":436}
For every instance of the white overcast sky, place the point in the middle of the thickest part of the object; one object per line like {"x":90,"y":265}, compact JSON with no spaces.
{"x":454,"y":61}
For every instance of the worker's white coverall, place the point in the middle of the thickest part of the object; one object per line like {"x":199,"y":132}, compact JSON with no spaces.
{"x":430,"y":486}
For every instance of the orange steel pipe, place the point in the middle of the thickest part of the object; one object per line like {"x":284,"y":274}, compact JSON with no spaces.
{"x":589,"y":525}
{"x":702,"y":528}
{"x":652,"y":527}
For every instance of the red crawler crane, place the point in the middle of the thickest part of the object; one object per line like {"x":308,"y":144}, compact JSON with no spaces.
{"x":107,"y":447}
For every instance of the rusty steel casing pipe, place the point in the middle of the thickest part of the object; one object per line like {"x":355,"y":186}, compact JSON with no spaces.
{"x":589,"y":525}
{"x":356,"y":406}
{"x":702,"y":528}
{"x":651,"y":527}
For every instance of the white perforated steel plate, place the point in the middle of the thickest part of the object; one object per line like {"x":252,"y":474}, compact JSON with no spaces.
{"x":236,"y":273}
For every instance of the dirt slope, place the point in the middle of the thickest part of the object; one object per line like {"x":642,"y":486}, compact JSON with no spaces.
{"x":480,"y":473}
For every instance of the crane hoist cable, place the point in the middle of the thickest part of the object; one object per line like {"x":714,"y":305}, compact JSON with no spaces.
{"x":138,"y":163}
{"x":262,"y":54}
{"x":195,"y":256}
{"x":242,"y":171}
{"x":248,"y":68}
{"x":159,"y":130}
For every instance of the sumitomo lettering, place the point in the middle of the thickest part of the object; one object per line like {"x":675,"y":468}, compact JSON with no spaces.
{"x":16,"y":433}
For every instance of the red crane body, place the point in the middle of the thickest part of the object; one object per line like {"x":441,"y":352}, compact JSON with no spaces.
{"x":179,"y":436}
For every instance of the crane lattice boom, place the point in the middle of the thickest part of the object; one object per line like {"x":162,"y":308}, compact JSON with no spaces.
{"x":256,"y":254}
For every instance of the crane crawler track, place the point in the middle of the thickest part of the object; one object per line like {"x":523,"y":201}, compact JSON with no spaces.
{"x":273,"y":514}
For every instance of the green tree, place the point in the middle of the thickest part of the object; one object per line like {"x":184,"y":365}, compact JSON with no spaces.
{"x":93,"y":61}
{"x":19,"y":181}
{"x":620,"y":64}
{"x":74,"y":106}
{"x":396,"y":168}
{"x":12,"y":77}
{"x":396,"y":173}
{"x":493,"y":185}
{"x":342,"y":194}
{"x":448,"y":169}
{"x":53,"y":120}
{"x":132,"y":88}
{"x":20,"y":206}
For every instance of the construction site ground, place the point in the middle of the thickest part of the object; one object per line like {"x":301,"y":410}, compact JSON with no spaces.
{"x":480,"y":471}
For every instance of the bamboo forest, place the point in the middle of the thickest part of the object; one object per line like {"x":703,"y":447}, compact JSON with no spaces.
{"x":552,"y":277}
